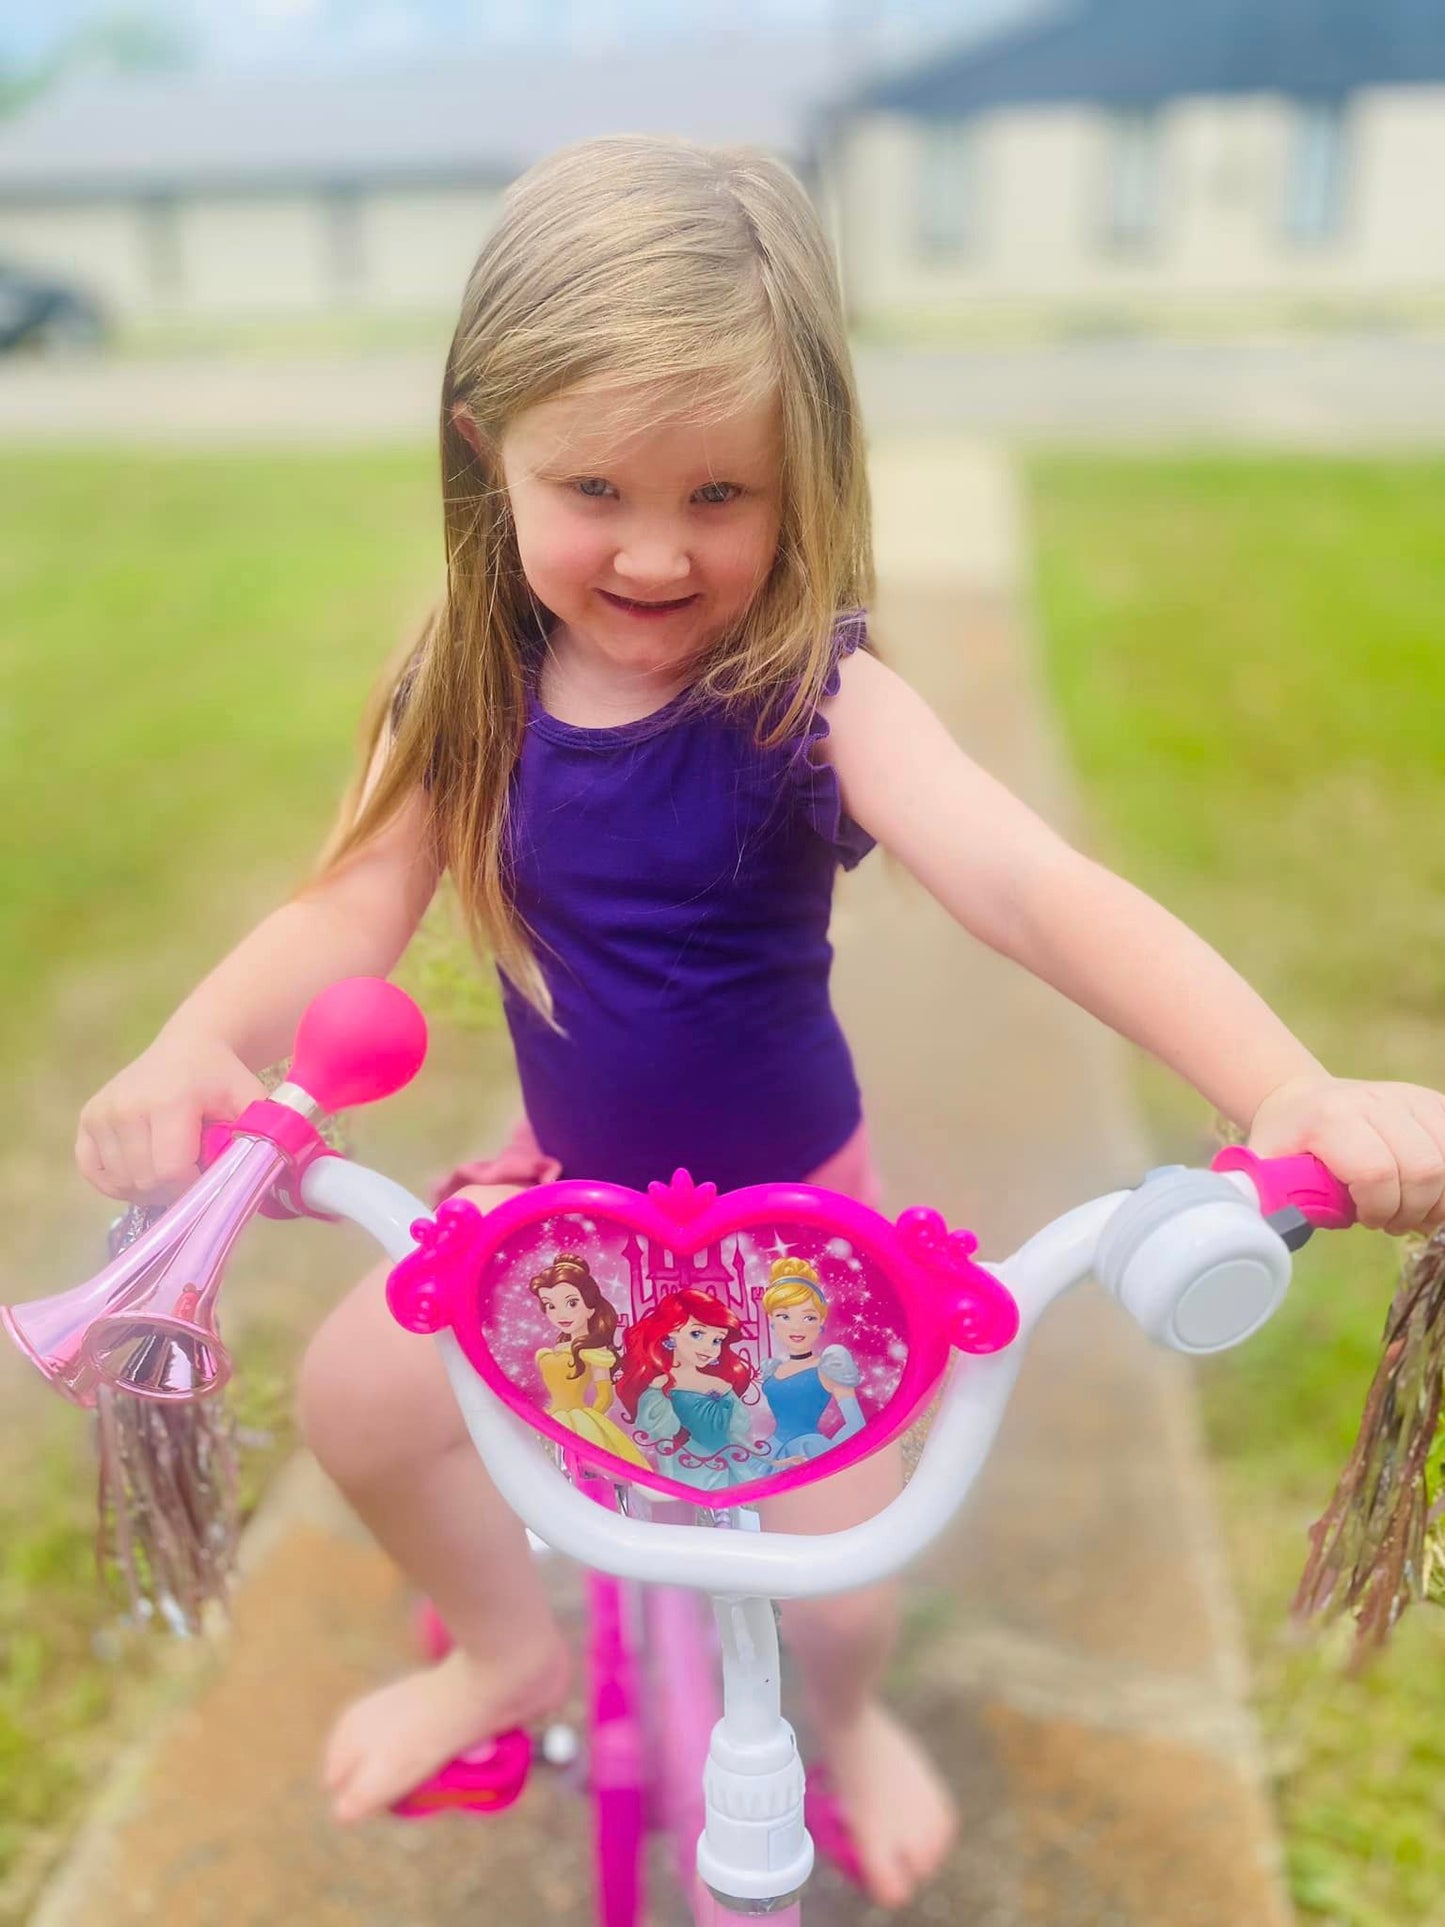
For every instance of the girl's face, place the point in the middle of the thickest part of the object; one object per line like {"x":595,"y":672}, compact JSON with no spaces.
{"x":565,"y":1309}
{"x":647,"y":536}
{"x":698,"y":1345}
{"x":796,"y":1328}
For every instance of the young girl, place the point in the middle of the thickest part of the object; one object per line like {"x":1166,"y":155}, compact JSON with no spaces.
{"x":682,"y":1382}
{"x":642,"y":731}
{"x":577,"y":1371}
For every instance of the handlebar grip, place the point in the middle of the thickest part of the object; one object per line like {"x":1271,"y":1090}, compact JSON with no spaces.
{"x":1301,"y":1181}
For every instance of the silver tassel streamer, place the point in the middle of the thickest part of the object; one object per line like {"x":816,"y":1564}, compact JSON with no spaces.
{"x":169,"y":1515}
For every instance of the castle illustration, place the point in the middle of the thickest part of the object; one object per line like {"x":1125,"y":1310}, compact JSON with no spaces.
{"x":653,"y":1276}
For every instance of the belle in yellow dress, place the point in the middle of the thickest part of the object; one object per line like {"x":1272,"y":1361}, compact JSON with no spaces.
{"x":577,"y":1373}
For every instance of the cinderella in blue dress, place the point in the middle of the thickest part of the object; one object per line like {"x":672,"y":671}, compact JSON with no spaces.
{"x":799,"y":1401}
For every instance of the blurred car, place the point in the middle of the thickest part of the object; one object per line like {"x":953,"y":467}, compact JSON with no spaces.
{"x":47,"y":315}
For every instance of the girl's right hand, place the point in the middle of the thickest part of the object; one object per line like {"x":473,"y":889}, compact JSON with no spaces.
{"x":140,"y":1136}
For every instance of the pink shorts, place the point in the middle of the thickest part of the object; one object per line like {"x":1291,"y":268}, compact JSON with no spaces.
{"x":522,"y":1160}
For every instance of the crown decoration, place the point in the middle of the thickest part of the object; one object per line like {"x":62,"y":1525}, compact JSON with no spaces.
{"x":419,"y":1290}
{"x":983,"y":1316}
{"x":682,"y":1200}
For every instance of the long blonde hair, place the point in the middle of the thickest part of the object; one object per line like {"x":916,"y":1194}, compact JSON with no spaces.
{"x":632,"y":262}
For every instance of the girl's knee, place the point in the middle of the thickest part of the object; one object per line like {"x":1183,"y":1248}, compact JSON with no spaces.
{"x":842,"y":1621}
{"x":329,"y":1412}
{"x":370,"y":1398}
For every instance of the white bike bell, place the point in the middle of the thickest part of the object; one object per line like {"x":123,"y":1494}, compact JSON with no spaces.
{"x":1193,"y":1261}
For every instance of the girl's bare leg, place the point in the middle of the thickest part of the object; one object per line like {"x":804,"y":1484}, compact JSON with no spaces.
{"x":901,"y":1814}
{"x":378,"y":1412}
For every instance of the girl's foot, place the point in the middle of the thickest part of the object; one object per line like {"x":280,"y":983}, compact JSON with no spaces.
{"x":389,"y":1742}
{"x":899,"y":1812}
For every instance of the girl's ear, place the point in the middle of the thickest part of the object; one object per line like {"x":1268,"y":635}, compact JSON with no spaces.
{"x":466,"y":427}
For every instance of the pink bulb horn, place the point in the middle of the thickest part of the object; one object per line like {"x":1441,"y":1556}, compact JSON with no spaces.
{"x":360,"y":1040}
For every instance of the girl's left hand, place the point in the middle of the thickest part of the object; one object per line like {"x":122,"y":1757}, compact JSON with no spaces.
{"x":1385,"y":1141}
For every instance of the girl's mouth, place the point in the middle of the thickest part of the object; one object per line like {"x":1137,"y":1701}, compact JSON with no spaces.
{"x":648,"y":611}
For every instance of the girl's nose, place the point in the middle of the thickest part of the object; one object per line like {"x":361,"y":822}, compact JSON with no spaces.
{"x":652,"y":562}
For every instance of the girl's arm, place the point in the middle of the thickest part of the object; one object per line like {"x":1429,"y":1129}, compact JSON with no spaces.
{"x":354,"y":922}
{"x":1016,"y":885}
{"x":139,"y":1136}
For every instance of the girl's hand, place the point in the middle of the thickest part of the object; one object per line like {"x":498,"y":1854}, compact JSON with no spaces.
{"x":1385,"y":1141}
{"x":140,"y":1136}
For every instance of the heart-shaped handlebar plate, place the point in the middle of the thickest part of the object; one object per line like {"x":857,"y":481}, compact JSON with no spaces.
{"x":719,"y":1349}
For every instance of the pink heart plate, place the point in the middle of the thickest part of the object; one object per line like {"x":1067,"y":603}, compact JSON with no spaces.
{"x":718,"y":1349}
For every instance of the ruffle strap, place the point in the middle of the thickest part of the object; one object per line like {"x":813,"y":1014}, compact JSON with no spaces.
{"x":815,"y":781}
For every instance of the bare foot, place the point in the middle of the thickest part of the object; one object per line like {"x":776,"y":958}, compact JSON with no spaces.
{"x":389,"y":1742}
{"x":899,"y":1812}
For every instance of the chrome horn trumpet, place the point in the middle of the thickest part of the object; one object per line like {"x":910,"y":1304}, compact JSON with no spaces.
{"x":146,"y":1324}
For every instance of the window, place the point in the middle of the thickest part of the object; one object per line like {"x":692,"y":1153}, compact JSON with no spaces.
{"x":1315,"y":180}
{"x":1131,"y":189}
{"x":948,"y":188}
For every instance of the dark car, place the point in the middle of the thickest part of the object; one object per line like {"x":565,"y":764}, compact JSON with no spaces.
{"x":40,"y":313}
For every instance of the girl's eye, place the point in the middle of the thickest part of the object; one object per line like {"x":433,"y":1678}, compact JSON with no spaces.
{"x":594,"y":487}
{"x":716,"y":493}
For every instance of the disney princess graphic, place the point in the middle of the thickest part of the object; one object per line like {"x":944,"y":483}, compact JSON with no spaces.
{"x":799,"y":1381}
{"x":682,"y":1381}
{"x":577,"y":1371}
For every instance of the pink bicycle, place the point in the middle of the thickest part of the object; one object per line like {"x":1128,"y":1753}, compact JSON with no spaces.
{"x":638,"y":1371}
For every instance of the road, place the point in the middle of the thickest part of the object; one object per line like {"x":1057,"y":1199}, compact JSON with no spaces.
{"x":1323,"y":391}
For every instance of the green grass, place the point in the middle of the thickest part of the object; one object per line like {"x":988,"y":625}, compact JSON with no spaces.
{"x":185,"y":646}
{"x":1250,"y":660}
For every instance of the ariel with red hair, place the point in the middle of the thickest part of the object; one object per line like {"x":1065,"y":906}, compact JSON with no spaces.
{"x":681,"y":1382}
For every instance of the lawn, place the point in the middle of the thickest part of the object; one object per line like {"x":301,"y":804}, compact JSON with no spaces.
{"x":1249,"y":655}
{"x":185,"y":645}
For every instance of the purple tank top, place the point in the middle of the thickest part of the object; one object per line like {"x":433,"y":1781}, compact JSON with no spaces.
{"x":678,"y":880}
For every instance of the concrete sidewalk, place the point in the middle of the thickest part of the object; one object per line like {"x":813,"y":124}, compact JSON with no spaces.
{"x":1071,"y":1656}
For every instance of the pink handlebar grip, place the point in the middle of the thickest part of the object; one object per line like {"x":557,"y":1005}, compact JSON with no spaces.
{"x":1301,"y":1181}
{"x":359,"y":1040}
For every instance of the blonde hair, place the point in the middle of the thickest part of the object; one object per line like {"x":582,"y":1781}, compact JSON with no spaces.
{"x":794,"y":1283}
{"x":626,"y":263}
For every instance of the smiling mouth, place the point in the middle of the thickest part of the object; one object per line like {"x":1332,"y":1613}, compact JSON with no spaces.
{"x":637,"y":606}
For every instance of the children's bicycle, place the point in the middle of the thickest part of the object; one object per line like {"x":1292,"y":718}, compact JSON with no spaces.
{"x":638,"y":1371}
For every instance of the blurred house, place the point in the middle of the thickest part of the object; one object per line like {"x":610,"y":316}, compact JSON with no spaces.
{"x":1138,"y":155}
{"x":237,"y":193}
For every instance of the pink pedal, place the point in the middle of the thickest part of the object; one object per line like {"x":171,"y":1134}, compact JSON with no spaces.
{"x":487,"y":1780}
{"x":828,"y":1824}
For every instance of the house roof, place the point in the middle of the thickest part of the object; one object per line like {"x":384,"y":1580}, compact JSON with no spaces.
{"x":1122,"y":52}
{"x":478,"y":119}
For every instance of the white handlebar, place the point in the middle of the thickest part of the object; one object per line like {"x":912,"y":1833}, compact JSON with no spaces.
{"x":776,"y":1565}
